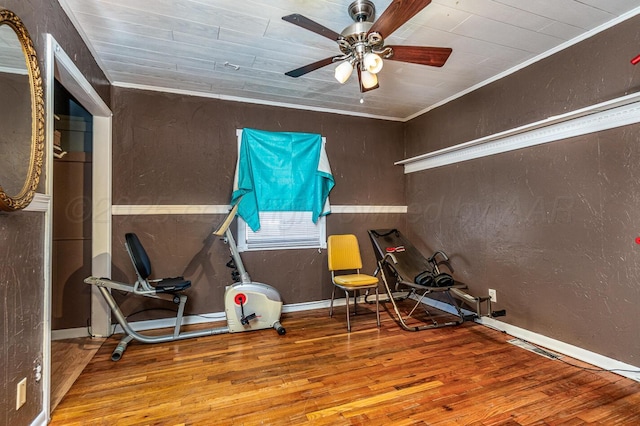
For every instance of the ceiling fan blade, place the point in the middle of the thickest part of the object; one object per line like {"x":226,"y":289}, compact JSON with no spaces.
{"x":310,"y":67}
{"x":362,"y":88}
{"x":310,"y":25}
{"x":398,"y":12}
{"x":434,"y":56}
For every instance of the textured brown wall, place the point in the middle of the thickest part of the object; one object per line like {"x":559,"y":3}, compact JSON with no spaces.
{"x":173,"y":149}
{"x":45,"y":16}
{"x":21,"y":326}
{"x":552,"y":227}
{"x":22,"y":234}
{"x":590,"y":72}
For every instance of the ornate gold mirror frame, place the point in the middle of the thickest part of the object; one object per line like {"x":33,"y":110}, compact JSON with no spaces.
{"x":20,"y":200}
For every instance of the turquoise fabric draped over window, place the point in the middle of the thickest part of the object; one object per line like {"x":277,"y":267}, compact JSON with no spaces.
{"x":281,"y":171}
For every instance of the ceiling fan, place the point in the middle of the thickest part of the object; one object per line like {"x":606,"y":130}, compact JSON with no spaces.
{"x":362,"y":43}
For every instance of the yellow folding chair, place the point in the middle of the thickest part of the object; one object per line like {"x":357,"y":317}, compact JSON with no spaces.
{"x":344,"y":256}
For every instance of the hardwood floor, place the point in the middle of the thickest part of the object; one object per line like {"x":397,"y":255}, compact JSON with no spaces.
{"x":68,"y":358}
{"x":320,"y":374}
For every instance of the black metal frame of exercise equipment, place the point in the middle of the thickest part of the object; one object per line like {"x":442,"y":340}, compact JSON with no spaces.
{"x":407,"y":274}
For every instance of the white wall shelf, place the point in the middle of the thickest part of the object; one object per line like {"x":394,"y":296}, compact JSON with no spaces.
{"x":595,"y":118}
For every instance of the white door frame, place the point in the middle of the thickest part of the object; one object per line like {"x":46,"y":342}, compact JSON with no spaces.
{"x":58,"y":66}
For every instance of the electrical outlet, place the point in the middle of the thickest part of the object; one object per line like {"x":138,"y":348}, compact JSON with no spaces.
{"x":37,"y":371}
{"x":21,"y":393}
{"x":493,"y":295}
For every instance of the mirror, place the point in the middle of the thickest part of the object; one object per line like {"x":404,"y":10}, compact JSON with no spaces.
{"x":21,"y":115}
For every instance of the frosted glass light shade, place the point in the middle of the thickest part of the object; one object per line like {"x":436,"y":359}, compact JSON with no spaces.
{"x":372,"y":63}
{"x":368,"y":80}
{"x":343,"y":72}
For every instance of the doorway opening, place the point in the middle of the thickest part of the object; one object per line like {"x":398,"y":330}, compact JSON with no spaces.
{"x":78,"y":219}
{"x":71,"y":243}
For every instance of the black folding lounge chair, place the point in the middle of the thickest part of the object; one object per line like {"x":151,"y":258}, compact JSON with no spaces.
{"x":407,"y":274}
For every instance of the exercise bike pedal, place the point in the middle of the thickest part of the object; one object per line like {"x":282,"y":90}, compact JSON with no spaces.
{"x":245,"y":320}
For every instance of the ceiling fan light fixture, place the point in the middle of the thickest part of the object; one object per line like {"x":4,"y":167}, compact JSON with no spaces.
{"x":343,"y":71}
{"x":362,"y":44}
{"x":368,"y":80}
{"x":372,"y":63}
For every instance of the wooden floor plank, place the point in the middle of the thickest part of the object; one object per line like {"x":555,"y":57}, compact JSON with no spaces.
{"x":320,"y":374}
{"x":69,"y":357}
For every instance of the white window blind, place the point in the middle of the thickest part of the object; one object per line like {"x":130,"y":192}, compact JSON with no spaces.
{"x":283,"y":229}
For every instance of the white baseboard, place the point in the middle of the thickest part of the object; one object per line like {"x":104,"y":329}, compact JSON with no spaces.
{"x":69,"y":333}
{"x":567,"y":349}
{"x":307,"y":306}
{"x":220,"y":316}
{"x":40,"y":420}
{"x":171,"y":322}
{"x":554,"y":345}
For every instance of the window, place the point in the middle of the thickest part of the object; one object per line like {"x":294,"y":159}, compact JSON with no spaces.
{"x":283,"y":229}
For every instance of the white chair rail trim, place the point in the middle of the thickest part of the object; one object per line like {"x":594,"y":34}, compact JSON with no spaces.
{"x":132,"y":210}
{"x":40,"y":203}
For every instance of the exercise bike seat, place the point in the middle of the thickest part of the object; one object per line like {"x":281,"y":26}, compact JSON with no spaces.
{"x":142,"y":265}
{"x":171,"y":284}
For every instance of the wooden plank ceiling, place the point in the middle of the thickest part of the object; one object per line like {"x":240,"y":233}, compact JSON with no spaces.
{"x":241,"y":49}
